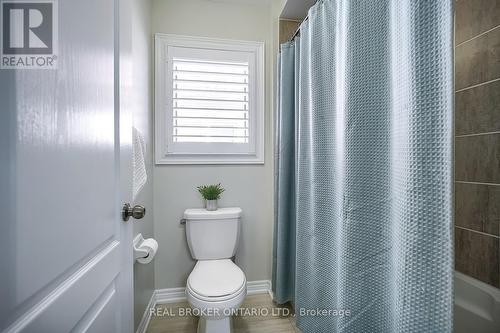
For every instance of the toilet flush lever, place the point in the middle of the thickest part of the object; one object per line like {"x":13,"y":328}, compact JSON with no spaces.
{"x":137,"y":212}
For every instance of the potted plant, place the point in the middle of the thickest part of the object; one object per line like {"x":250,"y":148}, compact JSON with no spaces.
{"x":211,"y":193}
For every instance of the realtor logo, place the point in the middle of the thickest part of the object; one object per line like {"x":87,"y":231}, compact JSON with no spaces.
{"x":29,"y":34}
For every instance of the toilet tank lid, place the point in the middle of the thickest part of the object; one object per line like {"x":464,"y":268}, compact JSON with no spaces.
{"x":221,"y":213}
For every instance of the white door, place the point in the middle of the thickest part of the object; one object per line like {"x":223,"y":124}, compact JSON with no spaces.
{"x":66,"y":255}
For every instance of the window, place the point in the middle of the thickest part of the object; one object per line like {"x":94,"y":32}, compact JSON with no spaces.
{"x":209,"y":101}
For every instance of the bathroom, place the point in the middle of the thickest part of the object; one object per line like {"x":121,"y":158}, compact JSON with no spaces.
{"x":250,"y":166}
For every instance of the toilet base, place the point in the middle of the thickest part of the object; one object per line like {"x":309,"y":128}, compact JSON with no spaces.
{"x":212,"y":325}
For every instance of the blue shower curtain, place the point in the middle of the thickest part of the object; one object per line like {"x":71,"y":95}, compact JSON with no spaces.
{"x":363,"y":220}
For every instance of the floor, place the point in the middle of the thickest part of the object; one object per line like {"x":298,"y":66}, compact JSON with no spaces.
{"x":169,"y":318}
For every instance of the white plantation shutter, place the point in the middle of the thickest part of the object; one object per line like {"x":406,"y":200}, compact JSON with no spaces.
{"x":209,"y":101}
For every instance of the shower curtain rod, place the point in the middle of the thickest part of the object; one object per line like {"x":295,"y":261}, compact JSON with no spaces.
{"x":297,"y":32}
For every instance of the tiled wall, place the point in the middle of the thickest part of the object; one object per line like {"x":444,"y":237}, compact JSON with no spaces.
{"x":287,"y":29}
{"x":477,"y":139}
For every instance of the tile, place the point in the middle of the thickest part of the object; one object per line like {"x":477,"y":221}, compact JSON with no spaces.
{"x":477,"y":255}
{"x":477,"y":158}
{"x":473,"y":17}
{"x":477,"y":110}
{"x":477,"y":207}
{"x":286,"y":30}
{"x":478,"y":60}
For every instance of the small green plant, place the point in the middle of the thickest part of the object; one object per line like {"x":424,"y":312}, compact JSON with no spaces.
{"x":211,"y":192}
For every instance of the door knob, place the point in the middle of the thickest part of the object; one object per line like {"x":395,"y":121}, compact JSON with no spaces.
{"x":137,"y":212}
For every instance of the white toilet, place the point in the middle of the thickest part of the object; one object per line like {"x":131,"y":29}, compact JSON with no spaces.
{"x":216,"y":287}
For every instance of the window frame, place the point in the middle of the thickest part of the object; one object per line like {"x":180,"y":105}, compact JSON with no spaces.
{"x":165,"y":47}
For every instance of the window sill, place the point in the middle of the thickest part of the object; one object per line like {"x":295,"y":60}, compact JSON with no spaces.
{"x":209,"y":160}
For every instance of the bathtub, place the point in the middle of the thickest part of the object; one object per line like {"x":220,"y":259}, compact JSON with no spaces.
{"x":477,"y":306}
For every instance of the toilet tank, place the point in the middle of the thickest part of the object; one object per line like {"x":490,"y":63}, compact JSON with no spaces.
{"x":212,"y":234}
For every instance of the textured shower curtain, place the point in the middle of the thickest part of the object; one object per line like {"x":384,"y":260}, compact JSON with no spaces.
{"x":363,"y":220}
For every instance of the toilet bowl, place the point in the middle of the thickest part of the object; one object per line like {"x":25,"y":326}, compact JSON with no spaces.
{"x":217,"y":286}
{"x":216,"y":289}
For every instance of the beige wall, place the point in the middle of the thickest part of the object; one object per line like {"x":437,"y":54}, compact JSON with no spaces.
{"x":249,"y":187}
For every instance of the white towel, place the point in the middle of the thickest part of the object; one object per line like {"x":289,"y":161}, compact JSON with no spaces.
{"x":139,"y":162}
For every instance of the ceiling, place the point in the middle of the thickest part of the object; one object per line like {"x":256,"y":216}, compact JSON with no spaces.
{"x":296,"y":9}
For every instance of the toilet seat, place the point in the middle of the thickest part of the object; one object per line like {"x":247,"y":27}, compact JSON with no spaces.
{"x":216,"y":280}
{"x":215,"y":299}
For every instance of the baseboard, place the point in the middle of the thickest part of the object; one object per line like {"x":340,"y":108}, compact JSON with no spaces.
{"x":146,"y":317}
{"x":170,"y":295}
{"x":173,"y":295}
{"x":258,"y":287}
